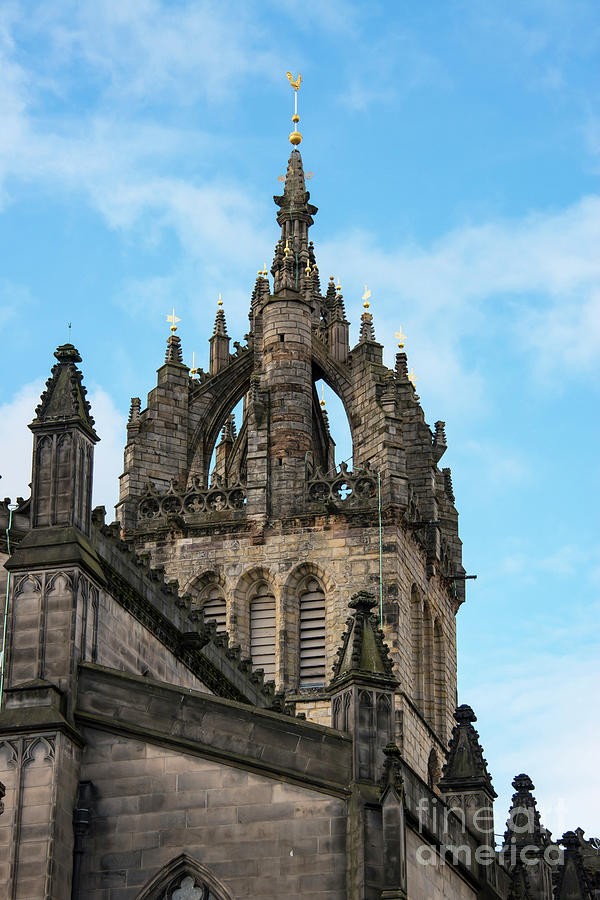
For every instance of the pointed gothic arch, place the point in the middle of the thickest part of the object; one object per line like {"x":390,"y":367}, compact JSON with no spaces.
{"x":180,"y":878}
{"x":208,"y":594}
{"x":263,"y":636}
{"x":416,"y":639}
{"x":439,"y":670}
{"x":295,"y":588}
{"x":244,"y":593}
{"x":428,"y":668}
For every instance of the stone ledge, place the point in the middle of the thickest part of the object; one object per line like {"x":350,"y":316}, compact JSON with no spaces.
{"x":256,"y":740}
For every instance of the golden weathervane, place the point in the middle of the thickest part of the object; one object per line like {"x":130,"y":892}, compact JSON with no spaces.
{"x":400,"y":338}
{"x":412,"y":378}
{"x":365,"y":297}
{"x":295,"y":136}
{"x":173,"y":319}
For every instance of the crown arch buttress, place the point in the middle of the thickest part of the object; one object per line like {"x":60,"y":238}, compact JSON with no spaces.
{"x":216,"y":399}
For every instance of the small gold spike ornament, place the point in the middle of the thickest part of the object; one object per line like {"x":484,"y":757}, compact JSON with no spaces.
{"x":365,"y":297}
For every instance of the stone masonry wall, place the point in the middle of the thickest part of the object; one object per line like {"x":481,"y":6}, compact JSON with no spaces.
{"x":125,"y":644}
{"x":433,"y":880}
{"x":59,"y":618}
{"x":259,"y":837}
{"x":344,"y":556}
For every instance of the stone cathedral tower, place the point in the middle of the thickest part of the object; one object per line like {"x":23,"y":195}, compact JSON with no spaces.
{"x":273,"y":541}
{"x":187,"y":711}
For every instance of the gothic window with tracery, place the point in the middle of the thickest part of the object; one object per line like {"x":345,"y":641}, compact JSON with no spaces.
{"x":184,"y":879}
{"x":312,"y":635}
{"x":262,"y":629}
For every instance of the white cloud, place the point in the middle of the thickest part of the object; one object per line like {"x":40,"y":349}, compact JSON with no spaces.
{"x":544,"y":703}
{"x":16,"y":442}
{"x":16,"y":439}
{"x":539,"y":276}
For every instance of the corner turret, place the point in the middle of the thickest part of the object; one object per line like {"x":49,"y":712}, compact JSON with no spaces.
{"x":63,"y":448}
{"x":465,"y":781}
{"x":362,"y":688}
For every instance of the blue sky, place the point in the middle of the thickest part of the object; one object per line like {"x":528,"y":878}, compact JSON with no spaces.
{"x":455,"y":148}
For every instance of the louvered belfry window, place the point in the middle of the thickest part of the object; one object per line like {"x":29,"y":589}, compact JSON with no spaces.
{"x":312,"y":636}
{"x":262,"y":630}
{"x":214,"y":607}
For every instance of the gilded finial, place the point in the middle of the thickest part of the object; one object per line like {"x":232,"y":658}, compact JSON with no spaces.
{"x":307,"y":269}
{"x":412,"y":378}
{"x":220,"y":300}
{"x":173,"y":319}
{"x":365,"y":297}
{"x":295,"y":84}
{"x":193,"y":370}
{"x":287,"y":249}
{"x":322,"y":404}
{"x":339,"y":287}
{"x":400,"y":338}
{"x":295,"y":136}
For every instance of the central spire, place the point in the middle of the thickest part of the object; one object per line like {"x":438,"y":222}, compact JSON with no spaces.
{"x":295,"y":216}
{"x":293,"y":262}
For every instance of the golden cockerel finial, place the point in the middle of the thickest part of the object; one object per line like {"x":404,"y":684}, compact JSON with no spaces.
{"x":295,"y":84}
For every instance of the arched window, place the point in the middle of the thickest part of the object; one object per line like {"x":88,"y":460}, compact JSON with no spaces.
{"x":212,"y":603}
{"x":433,"y":769}
{"x":312,"y":635}
{"x":416,"y":638}
{"x":439,"y":659}
{"x":262,"y":629}
{"x":184,"y":879}
{"x":365,"y":735}
{"x":384,"y":720}
{"x":428,"y":670}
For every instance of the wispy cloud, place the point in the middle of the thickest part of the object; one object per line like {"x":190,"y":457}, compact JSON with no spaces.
{"x":545,"y":702}
{"x":540,"y":273}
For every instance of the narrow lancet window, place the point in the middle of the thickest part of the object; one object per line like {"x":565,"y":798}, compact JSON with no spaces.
{"x":262,"y":630}
{"x":312,"y":635}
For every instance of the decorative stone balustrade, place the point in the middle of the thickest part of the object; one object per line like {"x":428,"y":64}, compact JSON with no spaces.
{"x":342,"y":486}
{"x":194,"y":501}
